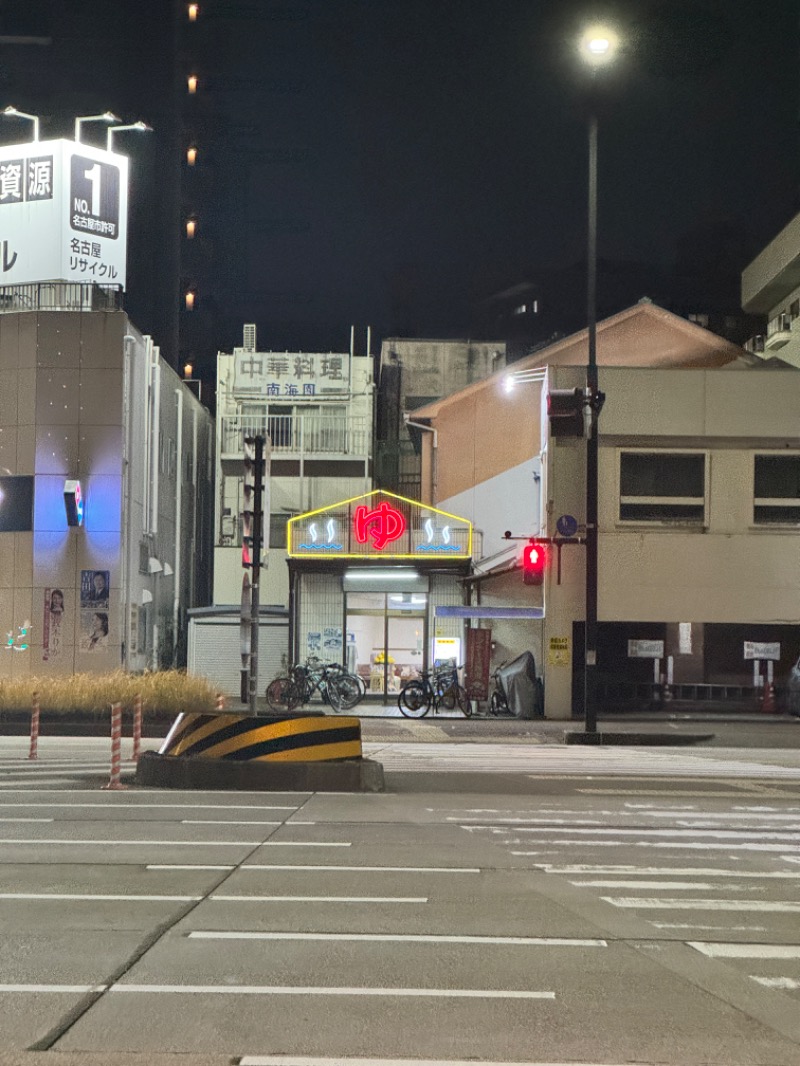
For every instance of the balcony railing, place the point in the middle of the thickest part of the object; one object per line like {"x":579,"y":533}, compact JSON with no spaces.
{"x":300,"y":434}
{"x":60,"y":296}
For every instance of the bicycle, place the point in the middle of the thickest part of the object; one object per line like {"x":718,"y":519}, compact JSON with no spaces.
{"x":498,"y":701}
{"x":433,"y":689}
{"x":334,"y":684}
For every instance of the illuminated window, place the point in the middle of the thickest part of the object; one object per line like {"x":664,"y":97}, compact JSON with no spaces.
{"x":189,"y":299}
{"x":662,"y":487}
{"x":191,"y":155}
{"x":193,"y":11}
{"x":191,"y":83}
{"x":191,"y":227}
{"x":776,"y":490}
{"x":187,"y":370}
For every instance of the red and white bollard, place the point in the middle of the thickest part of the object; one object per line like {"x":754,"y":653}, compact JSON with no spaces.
{"x":219,"y":703}
{"x":116,"y":747}
{"x":137,"y":728}
{"x":34,"y":750}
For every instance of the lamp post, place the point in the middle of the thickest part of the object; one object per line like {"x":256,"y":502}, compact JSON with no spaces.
{"x":141,"y":126}
{"x":107,"y":116}
{"x":598,"y":45}
{"x":12,"y":112}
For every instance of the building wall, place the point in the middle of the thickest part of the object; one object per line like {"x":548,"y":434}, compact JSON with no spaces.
{"x":74,"y":405}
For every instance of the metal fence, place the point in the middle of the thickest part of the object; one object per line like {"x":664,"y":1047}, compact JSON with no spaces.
{"x":300,"y":434}
{"x":60,"y":296}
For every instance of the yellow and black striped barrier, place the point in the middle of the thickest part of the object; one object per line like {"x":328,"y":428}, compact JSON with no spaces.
{"x":241,"y":738}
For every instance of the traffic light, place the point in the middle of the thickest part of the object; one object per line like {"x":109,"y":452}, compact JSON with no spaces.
{"x":252,"y":501}
{"x":565,"y":412}
{"x":534,"y":563}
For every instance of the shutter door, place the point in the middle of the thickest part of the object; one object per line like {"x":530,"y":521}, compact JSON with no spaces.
{"x":214,"y":653}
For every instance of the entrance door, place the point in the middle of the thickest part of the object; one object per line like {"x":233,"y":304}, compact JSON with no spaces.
{"x":387,"y":632}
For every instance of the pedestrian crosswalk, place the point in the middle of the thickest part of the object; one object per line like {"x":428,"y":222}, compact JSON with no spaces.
{"x":737,"y":905}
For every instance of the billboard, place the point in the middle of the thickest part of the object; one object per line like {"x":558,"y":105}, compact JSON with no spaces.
{"x":63,"y":214}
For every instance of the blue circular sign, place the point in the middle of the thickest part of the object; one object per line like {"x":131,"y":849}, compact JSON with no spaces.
{"x":567,"y":525}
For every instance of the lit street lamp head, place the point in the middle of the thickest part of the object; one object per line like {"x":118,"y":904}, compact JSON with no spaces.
{"x":599,"y":45}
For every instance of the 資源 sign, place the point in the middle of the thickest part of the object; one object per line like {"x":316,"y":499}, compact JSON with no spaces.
{"x":382,"y":525}
{"x":290,"y":374}
{"x":63,"y":214}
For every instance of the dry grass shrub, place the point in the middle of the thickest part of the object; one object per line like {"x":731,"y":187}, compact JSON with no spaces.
{"x":167,"y":691}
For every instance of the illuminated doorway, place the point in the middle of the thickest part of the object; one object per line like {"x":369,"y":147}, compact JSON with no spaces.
{"x":386,"y":638}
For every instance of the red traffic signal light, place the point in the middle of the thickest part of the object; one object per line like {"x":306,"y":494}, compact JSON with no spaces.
{"x":534,"y":563}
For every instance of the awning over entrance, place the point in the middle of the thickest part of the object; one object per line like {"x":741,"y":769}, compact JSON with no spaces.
{"x":489,"y":612}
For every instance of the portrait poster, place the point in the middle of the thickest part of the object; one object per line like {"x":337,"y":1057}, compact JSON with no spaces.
{"x":95,"y":595}
{"x":52,"y":625}
{"x":95,"y":586}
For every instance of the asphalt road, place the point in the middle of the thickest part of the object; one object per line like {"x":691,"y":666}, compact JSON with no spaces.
{"x":502,"y":902}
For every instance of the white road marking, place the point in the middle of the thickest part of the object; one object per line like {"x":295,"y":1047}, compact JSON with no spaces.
{"x":711,"y":928}
{"x":785,"y":984}
{"x":376,"y":869}
{"x":124,"y":804}
{"x":181,"y":843}
{"x":293,"y":1060}
{"x":716,"y":834}
{"x":656,"y":871}
{"x":53,"y":988}
{"x":224,"y":821}
{"x":670,"y":845}
{"x":39,"y":820}
{"x":319,"y":899}
{"x":407,"y":938}
{"x":92,"y":899}
{"x":746,"y":951}
{"x":765,"y":906}
{"x":322,"y":990}
{"x":175,"y":866}
{"x":661,"y":885}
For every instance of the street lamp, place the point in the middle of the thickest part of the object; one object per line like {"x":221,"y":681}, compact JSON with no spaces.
{"x":598,"y":46}
{"x":12,"y":112}
{"x":141,"y":126}
{"x":107,"y":116}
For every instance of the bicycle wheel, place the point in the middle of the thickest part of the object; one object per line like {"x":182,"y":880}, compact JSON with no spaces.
{"x":283,"y":695}
{"x":414,"y":700}
{"x":497,"y":704}
{"x":344,"y":692}
{"x":463,"y":701}
{"x":448,"y":697}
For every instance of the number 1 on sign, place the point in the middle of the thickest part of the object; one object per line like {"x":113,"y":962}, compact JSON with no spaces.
{"x":93,"y":177}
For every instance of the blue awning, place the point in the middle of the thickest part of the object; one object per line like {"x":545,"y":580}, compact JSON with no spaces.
{"x":489,"y":612}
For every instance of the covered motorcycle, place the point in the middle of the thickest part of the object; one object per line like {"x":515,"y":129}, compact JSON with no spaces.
{"x":522,"y":688}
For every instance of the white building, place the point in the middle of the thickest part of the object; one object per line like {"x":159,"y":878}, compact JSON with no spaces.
{"x":317,"y":410}
{"x":771,"y":287}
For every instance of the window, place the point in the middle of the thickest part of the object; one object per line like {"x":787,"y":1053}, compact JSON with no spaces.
{"x":776,"y":490}
{"x":277,"y":530}
{"x":16,"y":504}
{"x":662,"y":487}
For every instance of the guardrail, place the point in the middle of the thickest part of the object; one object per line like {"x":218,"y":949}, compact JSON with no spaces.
{"x":300,"y":434}
{"x":60,"y":296}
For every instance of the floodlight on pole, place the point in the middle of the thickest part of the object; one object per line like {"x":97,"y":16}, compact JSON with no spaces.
{"x":13,"y":112}
{"x":107,"y":116}
{"x":142,"y":127}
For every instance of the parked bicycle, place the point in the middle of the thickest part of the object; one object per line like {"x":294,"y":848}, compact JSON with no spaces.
{"x":498,"y":701}
{"x":433,"y":688}
{"x":335,"y":685}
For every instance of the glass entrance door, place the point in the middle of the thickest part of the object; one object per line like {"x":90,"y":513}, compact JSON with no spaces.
{"x":387,"y":632}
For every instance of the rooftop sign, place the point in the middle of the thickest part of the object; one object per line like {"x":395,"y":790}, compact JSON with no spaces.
{"x":63,"y":214}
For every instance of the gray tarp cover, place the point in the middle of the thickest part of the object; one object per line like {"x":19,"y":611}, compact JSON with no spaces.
{"x":522,"y":688}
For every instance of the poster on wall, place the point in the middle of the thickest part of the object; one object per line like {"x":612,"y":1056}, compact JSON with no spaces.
{"x":94,"y":610}
{"x":313,"y":643}
{"x":332,"y":640}
{"x":52,"y":624}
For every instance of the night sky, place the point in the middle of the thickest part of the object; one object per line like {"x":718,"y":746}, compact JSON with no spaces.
{"x":410,"y":157}
{"x":392,"y":162}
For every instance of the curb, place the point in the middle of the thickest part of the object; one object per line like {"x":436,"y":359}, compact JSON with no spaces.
{"x":184,"y":771}
{"x":672,"y":740}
